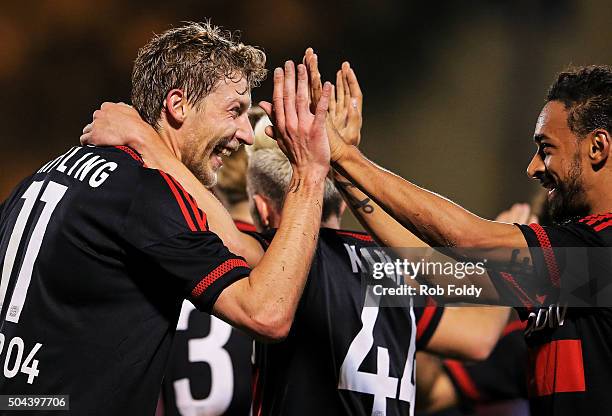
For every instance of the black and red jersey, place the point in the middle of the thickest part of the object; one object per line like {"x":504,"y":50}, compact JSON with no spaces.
{"x":344,"y":355}
{"x":569,"y":348}
{"x":98,"y":253}
{"x":502,"y":376}
{"x":210,"y":367}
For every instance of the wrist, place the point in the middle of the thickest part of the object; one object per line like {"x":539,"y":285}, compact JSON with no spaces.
{"x":307,"y":180}
{"x":342,"y":154}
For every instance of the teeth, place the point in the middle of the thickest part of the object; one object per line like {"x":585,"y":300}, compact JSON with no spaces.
{"x":223,"y":151}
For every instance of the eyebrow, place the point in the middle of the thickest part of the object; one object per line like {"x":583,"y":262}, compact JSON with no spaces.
{"x":539,"y":137}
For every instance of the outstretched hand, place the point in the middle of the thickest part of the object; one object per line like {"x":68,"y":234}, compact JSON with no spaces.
{"x":518,"y":213}
{"x":300,"y":133}
{"x":344,"y":118}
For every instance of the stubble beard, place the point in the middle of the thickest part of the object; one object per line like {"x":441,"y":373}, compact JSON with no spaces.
{"x":569,"y":201}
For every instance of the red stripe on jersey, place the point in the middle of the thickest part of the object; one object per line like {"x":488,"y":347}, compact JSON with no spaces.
{"x":131,"y":152}
{"x":516,"y":325}
{"x":549,"y":255}
{"x":592,"y":219}
{"x":463,"y":379}
{"x":603,"y":225}
{"x":257,"y":394}
{"x":219,"y":271}
{"x":363,"y":237}
{"x":245,"y":226}
{"x":524,"y":298}
{"x":556,"y":367}
{"x":197,"y":213}
{"x":428,"y":314}
{"x":179,"y":200}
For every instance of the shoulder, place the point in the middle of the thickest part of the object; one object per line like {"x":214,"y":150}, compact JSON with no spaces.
{"x":581,"y":233}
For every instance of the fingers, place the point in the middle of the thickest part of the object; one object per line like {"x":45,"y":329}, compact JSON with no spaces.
{"x":277,"y":100}
{"x":267,"y":108}
{"x":315,"y":80}
{"x":269,"y":130}
{"x":339,"y":91}
{"x":291,"y":119}
{"x":518,"y":213}
{"x":302,"y":93}
{"x":321,"y":113}
{"x":332,"y":101}
{"x":355,"y":89}
{"x":347,"y":91}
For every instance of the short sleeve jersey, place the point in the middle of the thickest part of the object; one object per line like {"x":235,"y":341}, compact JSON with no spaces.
{"x":210,"y":370}
{"x":343,"y":356}
{"x":97,"y":254}
{"x":569,"y":349}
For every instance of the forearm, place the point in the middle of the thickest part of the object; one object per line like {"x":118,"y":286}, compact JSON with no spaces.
{"x":434,"y":219}
{"x":485,"y":325}
{"x":379,"y":224}
{"x":268,"y":298}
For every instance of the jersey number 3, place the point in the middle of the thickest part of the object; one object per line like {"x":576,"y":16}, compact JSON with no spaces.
{"x":51,"y":196}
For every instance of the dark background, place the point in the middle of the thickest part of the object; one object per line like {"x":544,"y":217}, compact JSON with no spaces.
{"x":452,"y":89}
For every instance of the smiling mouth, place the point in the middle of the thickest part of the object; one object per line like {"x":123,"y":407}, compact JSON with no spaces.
{"x":222,"y":150}
{"x":550,"y":186}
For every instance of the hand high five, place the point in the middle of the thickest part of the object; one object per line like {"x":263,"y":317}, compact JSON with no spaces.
{"x":344,"y":119}
{"x":300,"y":134}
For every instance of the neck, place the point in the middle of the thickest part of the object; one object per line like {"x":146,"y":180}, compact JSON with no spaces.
{"x":170,"y":140}
{"x":241,"y":212}
{"x":601,"y":200}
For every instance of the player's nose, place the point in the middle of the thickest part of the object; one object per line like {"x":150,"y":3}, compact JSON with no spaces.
{"x":245,"y":132}
{"x":536,"y":166}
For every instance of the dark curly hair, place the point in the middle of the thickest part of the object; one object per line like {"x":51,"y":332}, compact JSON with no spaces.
{"x":586,"y":93}
{"x":192,"y":57}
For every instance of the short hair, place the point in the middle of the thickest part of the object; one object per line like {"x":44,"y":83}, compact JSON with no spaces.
{"x":586,"y":93}
{"x":193,"y":57}
{"x":269,"y":173}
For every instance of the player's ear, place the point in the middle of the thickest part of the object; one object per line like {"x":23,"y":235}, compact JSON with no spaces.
{"x":599,"y":147}
{"x":175,"y":107}
{"x":263,"y":209}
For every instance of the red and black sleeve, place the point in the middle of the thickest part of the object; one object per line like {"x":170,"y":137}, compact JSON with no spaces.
{"x":166,"y":227}
{"x":427,"y":320}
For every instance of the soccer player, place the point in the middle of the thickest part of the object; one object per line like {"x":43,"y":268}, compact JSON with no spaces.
{"x":99,"y":251}
{"x":570,"y":368}
{"x":210,"y":369}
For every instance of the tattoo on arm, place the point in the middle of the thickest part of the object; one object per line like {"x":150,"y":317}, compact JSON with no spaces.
{"x":356,"y":203}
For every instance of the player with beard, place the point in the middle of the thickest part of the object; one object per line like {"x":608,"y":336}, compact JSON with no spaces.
{"x":569,"y":348}
{"x":99,"y":251}
{"x":210,"y":369}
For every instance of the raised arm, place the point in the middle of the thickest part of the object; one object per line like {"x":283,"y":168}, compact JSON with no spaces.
{"x":432,"y":218}
{"x":266,"y":301}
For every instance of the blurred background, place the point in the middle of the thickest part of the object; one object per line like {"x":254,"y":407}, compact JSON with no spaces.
{"x":452,"y":89}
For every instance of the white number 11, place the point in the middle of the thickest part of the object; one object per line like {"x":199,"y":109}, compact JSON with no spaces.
{"x":51,"y":196}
